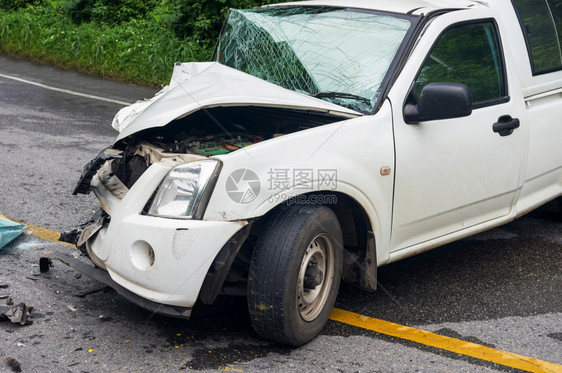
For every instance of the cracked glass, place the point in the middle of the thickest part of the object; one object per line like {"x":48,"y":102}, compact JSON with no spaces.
{"x":338,"y":55}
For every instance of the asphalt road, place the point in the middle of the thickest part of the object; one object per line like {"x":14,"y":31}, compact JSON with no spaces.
{"x":501,"y":289}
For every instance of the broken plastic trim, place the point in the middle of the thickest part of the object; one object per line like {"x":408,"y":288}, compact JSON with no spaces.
{"x":20,"y":314}
{"x":103,"y":277}
{"x":73,"y":236}
{"x":90,"y":169}
{"x":214,"y":280}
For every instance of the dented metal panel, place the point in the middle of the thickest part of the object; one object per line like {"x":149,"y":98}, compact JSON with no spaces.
{"x":196,"y":86}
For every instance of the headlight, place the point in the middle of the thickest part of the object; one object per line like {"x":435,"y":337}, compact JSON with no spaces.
{"x":181,"y":191}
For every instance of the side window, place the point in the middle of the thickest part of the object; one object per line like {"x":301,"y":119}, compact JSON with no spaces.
{"x":556,"y":10}
{"x":542,"y":26}
{"x":467,"y":54}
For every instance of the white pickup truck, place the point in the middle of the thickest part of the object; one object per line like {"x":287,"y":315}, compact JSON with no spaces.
{"x":325,"y":139}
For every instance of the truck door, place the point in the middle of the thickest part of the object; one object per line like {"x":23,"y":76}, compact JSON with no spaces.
{"x":453,"y":174}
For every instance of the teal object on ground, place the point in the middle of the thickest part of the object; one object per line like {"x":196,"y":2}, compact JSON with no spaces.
{"x":9,"y":230}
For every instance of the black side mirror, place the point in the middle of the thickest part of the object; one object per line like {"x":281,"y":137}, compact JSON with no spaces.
{"x":440,"y":101}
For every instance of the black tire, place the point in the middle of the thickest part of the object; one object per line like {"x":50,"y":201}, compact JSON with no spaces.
{"x":296,"y":242}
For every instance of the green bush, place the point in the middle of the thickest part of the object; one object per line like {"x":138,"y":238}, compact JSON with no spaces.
{"x":104,"y":11}
{"x":16,"y":4}
{"x":131,"y":40}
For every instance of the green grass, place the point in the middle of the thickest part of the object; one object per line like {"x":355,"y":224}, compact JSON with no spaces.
{"x":140,"y":51}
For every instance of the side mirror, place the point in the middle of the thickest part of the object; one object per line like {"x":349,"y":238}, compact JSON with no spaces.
{"x":440,"y":101}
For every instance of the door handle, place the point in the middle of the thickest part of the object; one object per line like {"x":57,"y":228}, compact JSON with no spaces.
{"x":505,"y":125}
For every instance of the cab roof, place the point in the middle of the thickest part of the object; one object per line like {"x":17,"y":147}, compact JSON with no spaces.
{"x":414,"y":7}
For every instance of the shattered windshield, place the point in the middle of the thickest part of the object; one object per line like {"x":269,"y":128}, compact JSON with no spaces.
{"x":337,"y":55}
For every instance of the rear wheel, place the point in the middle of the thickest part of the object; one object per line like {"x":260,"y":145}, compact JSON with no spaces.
{"x":295,"y":274}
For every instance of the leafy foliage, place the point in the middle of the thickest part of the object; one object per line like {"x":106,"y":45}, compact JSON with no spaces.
{"x":16,"y":4}
{"x":198,"y":20}
{"x":131,"y":40}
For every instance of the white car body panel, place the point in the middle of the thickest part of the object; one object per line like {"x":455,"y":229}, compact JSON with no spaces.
{"x":334,"y":146}
{"x":543,"y":176}
{"x":446,"y":170}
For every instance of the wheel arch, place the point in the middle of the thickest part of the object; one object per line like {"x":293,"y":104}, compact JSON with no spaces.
{"x":359,"y":247}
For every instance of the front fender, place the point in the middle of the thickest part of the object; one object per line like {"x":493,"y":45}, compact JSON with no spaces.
{"x":344,"y":157}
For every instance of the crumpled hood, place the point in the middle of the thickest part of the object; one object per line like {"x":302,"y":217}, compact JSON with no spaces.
{"x":209,"y":84}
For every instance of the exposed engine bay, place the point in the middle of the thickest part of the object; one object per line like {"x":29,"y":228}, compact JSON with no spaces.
{"x":220,"y":130}
{"x":205,"y":133}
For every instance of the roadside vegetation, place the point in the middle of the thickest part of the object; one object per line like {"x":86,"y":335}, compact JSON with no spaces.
{"x":130,"y":40}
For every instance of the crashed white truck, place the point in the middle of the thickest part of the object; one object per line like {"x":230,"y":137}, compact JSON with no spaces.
{"x":326,"y":139}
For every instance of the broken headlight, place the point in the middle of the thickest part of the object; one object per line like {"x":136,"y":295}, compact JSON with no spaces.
{"x":183,"y":189}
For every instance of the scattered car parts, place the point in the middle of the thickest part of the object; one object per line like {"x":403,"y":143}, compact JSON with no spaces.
{"x":18,"y":314}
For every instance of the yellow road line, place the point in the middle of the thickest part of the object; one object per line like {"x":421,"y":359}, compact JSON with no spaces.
{"x":441,"y":342}
{"x":40,"y":232}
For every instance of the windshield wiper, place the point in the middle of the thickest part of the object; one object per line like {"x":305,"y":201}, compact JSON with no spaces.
{"x":340,"y":95}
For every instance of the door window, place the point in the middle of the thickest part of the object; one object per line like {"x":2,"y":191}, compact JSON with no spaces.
{"x":467,"y":54}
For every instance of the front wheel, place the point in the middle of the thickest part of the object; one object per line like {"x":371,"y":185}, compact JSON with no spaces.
{"x":295,"y":274}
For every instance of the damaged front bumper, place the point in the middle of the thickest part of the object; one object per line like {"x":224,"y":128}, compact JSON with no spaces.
{"x":103,"y":277}
{"x":156,"y":262}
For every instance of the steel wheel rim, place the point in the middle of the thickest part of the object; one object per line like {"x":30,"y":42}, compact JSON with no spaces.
{"x":320,"y":255}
